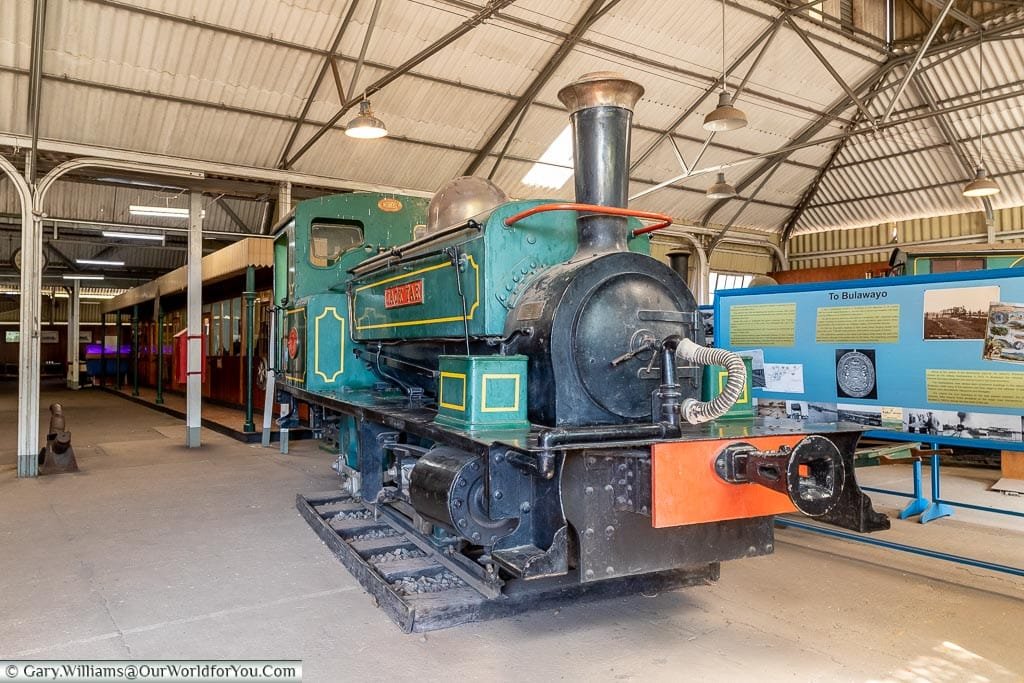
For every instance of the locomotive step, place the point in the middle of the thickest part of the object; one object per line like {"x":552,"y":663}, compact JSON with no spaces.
{"x":422,"y":589}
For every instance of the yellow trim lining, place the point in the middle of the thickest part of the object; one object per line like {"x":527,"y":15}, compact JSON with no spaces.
{"x":484,"y":408}
{"x":430,"y":321}
{"x":395,"y":278}
{"x":316,"y":344}
{"x":722,"y":375}
{"x":440,"y":392}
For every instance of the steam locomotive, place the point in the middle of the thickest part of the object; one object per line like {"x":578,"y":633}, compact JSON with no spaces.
{"x":515,"y":386}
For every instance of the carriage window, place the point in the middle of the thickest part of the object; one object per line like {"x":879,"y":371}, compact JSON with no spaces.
{"x":328,"y":241}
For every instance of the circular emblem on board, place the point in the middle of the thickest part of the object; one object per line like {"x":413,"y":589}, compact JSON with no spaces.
{"x":293,"y":343}
{"x":855,"y":373}
{"x":389,"y":205}
{"x":999,"y":318}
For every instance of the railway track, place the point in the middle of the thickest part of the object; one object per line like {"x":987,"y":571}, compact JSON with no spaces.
{"x":423,"y":588}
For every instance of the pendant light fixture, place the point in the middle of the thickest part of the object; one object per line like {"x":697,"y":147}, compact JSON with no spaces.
{"x":721,"y":189}
{"x":366,"y":126}
{"x":725,"y":116}
{"x":982,"y":185}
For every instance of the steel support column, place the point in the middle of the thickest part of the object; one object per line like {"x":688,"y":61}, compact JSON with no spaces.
{"x":117,"y":361}
{"x":74,"y":321}
{"x":159,"y":352}
{"x":135,"y":350}
{"x":284,"y":200}
{"x":194,"y":357}
{"x":103,"y":350}
{"x":28,"y":326}
{"x":250,"y":332}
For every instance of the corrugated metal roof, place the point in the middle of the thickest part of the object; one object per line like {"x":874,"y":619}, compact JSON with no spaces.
{"x":225,"y":263}
{"x":911,"y":171}
{"x":225,"y":81}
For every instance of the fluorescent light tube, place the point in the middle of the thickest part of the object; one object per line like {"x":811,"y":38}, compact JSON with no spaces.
{"x":97,"y":262}
{"x":133,"y":235}
{"x":160,"y":211}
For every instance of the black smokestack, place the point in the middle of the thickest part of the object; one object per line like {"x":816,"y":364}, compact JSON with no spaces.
{"x":601,"y":110}
{"x":680,"y":262}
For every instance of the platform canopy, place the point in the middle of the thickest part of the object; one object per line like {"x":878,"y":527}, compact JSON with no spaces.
{"x":857,"y":116}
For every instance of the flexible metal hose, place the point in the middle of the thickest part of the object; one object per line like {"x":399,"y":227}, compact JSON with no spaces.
{"x":694,"y":411}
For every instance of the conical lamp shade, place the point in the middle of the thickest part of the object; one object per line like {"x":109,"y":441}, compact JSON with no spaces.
{"x":725,"y":116}
{"x":981,"y":186}
{"x":721,"y":189}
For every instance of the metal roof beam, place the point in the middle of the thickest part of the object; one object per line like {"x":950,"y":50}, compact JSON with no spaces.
{"x":828,"y":67}
{"x":233,"y":216}
{"x":739,"y":212}
{"x":922,"y":50}
{"x":270,"y":40}
{"x":917,"y":12}
{"x":61,"y":255}
{"x":766,"y":36}
{"x":925,"y":93}
{"x":812,"y":189}
{"x":832,"y":24}
{"x":964,"y":19}
{"x":804,"y":139}
{"x":594,"y":11}
{"x":35,"y":80}
{"x":337,"y":80}
{"x":481,"y":15}
{"x":362,"y":51}
{"x":926,"y":148}
{"x":328,"y":62}
{"x":671,"y":68}
{"x":285,"y":117}
{"x":909,"y":190}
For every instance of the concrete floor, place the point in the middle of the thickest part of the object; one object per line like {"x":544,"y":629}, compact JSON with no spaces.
{"x":154,"y":551}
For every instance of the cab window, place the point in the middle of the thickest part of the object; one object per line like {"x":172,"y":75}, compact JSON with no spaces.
{"x":330,"y":240}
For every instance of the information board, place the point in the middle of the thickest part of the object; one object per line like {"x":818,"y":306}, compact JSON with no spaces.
{"x":933,"y":358}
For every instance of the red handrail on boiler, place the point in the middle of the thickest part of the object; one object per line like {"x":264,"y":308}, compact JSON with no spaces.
{"x":663,"y":220}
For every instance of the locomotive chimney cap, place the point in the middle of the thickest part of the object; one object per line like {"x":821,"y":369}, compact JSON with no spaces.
{"x":600,"y":89}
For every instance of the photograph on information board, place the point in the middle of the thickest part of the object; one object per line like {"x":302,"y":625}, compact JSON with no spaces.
{"x":962,"y":424}
{"x":957,"y":312}
{"x":1004,"y":336}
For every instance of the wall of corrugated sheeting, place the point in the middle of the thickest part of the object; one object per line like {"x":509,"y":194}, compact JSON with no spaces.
{"x":866,"y":245}
{"x":907,"y":24}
